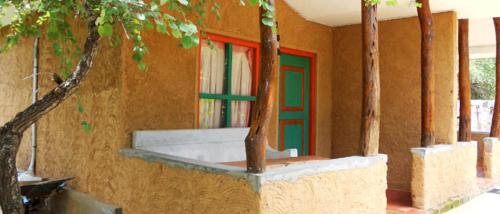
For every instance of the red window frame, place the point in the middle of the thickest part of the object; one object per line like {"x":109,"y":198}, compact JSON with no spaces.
{"x":234,"y":41}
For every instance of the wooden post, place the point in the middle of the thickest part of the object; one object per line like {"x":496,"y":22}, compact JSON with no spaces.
{"x":256,"y":141}
{"x":464,"y":130}
{"x":427,"y":105}
{"x":495,"y":123}
{"x":370,"y":116}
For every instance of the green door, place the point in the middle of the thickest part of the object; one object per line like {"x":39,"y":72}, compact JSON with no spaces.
{"x":294,"y":106}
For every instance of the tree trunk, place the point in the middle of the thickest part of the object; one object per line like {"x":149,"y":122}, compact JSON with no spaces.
{"x":10,"y":195}
{"x":370,"y":117}
{"x":495,"y":123}
{"x":11,"y":132}
{"x":427,"y":72}
{"x":464,"y":130}
{"x":256,"y":140}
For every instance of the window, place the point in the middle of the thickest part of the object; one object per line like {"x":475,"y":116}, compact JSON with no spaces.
{"x":227,"y":82}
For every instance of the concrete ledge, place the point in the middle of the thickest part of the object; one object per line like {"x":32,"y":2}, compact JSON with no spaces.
{"x":441,"y":148}
{"x":289,"y":173}
{"x":491,"y":159}
{"x":443,"y":173}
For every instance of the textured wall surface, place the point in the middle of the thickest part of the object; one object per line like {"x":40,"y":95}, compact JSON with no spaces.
{"x":491,"y":159}
{"x":400,"y":90}
{"x":346,"y":191}
{"x":15,"y":90}
{"x":119,"y":99}
{"x":443,"y":174}
{"x":171,"y":85}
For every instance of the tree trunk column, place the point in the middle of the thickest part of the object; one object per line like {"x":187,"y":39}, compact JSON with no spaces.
{"x":370,"y":117}
{"x":495,"y":123}
{"x":256,"y":140}
{"x":428,"y":79}
{"x":464,"y":131}
{"x":10,"y":197}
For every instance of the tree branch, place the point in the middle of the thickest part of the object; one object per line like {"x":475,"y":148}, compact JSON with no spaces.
{"x":57,"y":95}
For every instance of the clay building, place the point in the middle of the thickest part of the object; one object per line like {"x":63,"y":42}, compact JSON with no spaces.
{"x":206,"y":94}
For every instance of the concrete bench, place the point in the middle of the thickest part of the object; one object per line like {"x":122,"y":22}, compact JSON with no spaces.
{"x":210,"y":145}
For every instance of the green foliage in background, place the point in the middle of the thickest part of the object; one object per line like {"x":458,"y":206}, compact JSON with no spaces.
{"x":482,"y":71}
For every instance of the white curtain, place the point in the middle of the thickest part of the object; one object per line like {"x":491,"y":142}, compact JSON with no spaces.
{"x":212,"y":82}
{"x":241,"y":85}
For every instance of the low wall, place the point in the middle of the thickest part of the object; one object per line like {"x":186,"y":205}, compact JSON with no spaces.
{"x":357,"y":190}
{"x":345,"y":185}
{"x":491,"y":159}
{"x":443,"y":173}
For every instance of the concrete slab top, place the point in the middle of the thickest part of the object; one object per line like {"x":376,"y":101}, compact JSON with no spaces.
{"x":439,"y":148}
{"x":290,"y":172}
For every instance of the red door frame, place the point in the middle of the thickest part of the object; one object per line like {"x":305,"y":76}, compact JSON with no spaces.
{"x":312,"y":94}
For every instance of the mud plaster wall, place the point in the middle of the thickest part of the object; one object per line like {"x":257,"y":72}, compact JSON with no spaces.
{"x":166,"y":97}
{"x":436,"y":179}
{"x":346,"y":191}
{"x":12,"y":101}
{"x":119,"y":99}
{"x":139,"y":187}
{"x":400,"y":90}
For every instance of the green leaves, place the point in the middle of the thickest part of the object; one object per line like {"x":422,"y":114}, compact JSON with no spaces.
{"x":174,"y":18}
{"x":268,"y":21}
{"x":254,"y":2}
{"x":139,"y":50}
{"x":86,"y":126}
{"x":105,"y":30}
{"x":81,"y":109}
{"x":188,"y":28}
{"x":190,"y":41}
{"x":391,"y":2}
{"x":57,"y":49}
{"x":268,"y":18}
{"x":372,"y":2}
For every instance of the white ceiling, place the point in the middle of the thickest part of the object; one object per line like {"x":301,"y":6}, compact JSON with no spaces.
{"x":345,"y":12}
{"x":482,"y":38}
